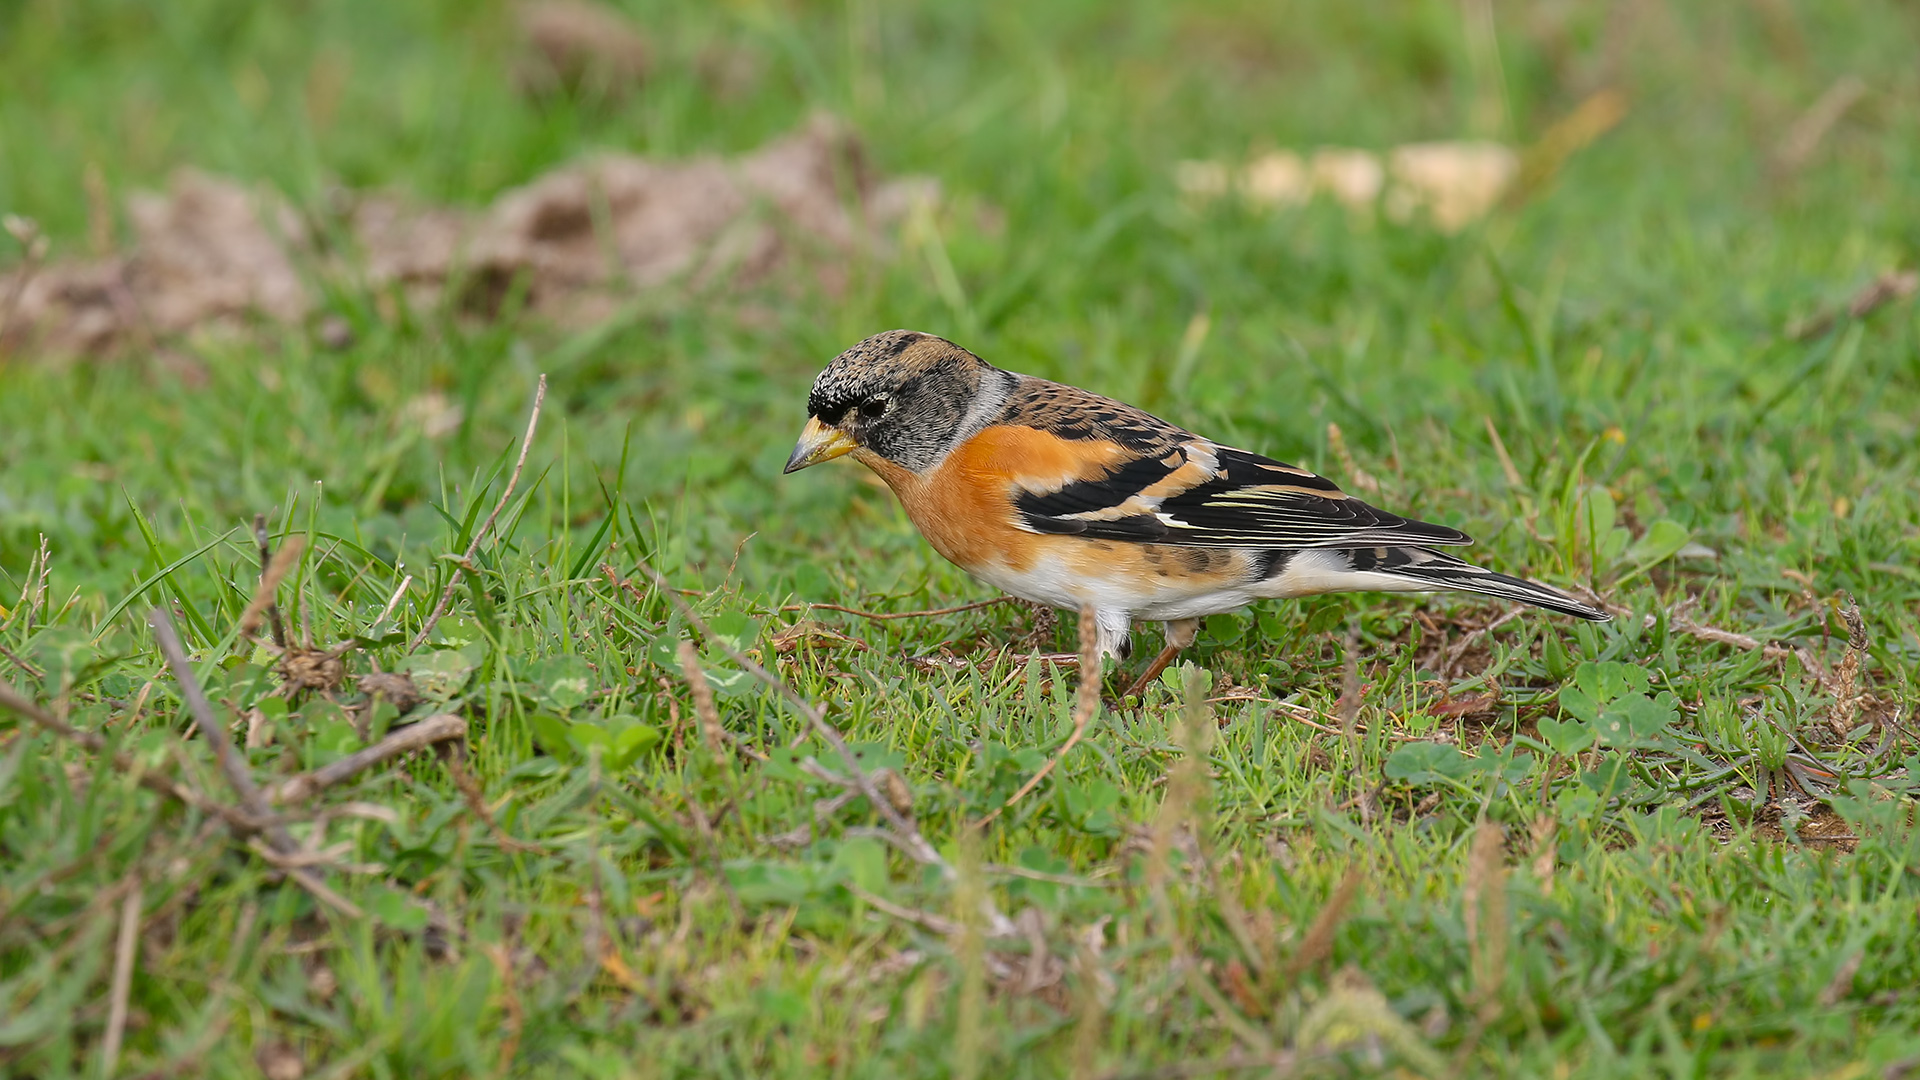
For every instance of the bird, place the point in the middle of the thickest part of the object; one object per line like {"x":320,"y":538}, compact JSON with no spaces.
{"x":1063,"y":497}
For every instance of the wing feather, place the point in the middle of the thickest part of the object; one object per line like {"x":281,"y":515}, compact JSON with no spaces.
{"x":1200,"y":494}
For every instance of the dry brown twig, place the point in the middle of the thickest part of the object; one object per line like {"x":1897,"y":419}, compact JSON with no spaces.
{"x":1889,"y":286}
{"x":510,"y":1000}
{"x":470,"y":791}
{"x":394,"y":600}
{"x":715,"y":738}
{"x":263,"y":542}
{"x":1301,"y":714}
{"x":1086,"y":703}
{"x":1598,"y":114}
{"x":1318,"y":943}
{"x":1484,"y":904}
{"x":1678,"y":621}
{"x":1545,"y":851}
{"x":273,"y":571}
{"x":703,"y":706}
{"x":17,"y":702}
{"x":438,"y":728}
{"x":1846,"y":702}
{"x":939,"y":924}
{"x":910,"y":839}
{"x":1186,"y":781}
{"x":21,"y":663}
{"x":329,"y":858}
{"x":1185,"y":807}
{"x":1485,"y":898}
{"x":885,"y":615}
{"x":252,"y":800}
{"x":1506,"y":460}
{"x":124,"y":951}
{"x":1351,"y":692}
{"x":1358,"y":477}
{"x":461,"y":567}
{"x":1810,"y":129}
{"x":1459,"y":648}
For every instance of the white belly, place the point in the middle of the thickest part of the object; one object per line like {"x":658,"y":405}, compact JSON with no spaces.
{"x":1049,"y":581}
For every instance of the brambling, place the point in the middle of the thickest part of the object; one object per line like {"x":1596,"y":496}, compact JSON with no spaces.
{"x":1067,"y":498}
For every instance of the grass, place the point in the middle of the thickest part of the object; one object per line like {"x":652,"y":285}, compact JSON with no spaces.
{"x":1616,"y":868}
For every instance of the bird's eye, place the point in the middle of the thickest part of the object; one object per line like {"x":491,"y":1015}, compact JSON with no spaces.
{"x":873,"y":407}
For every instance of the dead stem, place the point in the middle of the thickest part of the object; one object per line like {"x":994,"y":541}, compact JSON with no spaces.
{"x":23,"y":665}
{"x":393,"y":601}
{"x":1349,"y":705}
{"x":1506,"y":460}
{"x":277,"y":625}
{"x":1546,"y":852}
{"x":515,"y":1017}
{"x":938,"y":924}
{"x":233,"y":766}
{"x":1486,"y":912}
{"x":1185,"y":806}
{"x":125,"y":951}
{"x":438,"y":728}
{"x":1086,"y":703}
{"x":703,"y":706}
{"x":1484,"y":908}
{"x":476,"y":801}
{"x":911,"y":840}
{"x":1186,"y":781}
{"x":1318,"y":943}
{"x":272,"y":572}
{"x":1360,"y":478}
{"x":241,"y":823}
{"x":884,"y":615}
{"x":970,"y":949}
{"x":1810,"y":129}
{"x":473,"y":547}
{"x":1846,"y":703}
{"x":1460,"y":647}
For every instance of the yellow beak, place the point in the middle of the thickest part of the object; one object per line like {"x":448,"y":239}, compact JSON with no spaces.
{"x":818,"y":443}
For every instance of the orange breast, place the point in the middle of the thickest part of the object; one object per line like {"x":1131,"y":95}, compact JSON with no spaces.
{"x":964,"y":507}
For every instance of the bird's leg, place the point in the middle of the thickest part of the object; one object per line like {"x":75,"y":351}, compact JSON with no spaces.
{"x":1180,"y":634}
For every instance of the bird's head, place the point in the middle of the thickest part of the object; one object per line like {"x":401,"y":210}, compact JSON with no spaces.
{"x":902,"y":396}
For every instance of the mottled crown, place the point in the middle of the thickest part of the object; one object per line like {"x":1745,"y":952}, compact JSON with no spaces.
{"x":902,"y":395}
{"x":896,"y":362}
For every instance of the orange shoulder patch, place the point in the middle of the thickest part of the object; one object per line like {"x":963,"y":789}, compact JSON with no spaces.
{"x":1009,"y":455}
{"x":965,"y":506}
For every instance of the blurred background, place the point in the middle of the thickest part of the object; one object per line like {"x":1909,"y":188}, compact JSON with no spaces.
{"x":1623,"y":290}
{"x":255,"y":247}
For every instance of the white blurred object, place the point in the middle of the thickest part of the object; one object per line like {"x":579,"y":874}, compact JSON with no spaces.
{"x":1352,"y":177}
{"x":1453,"y":184}
{"x":1456,"y":183}
{"x":1276,"y":178}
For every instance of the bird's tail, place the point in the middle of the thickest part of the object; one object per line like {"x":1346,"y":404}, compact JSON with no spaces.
{"x":1446,"y":572}
{"x":1417,"y":569}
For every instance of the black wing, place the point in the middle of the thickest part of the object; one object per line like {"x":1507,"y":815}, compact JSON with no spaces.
{"x":1199,"y":494}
